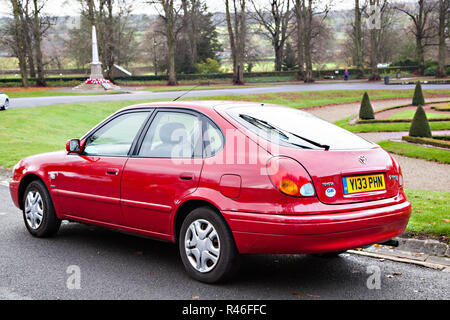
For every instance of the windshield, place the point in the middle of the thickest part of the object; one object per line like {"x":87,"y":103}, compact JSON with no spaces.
{"x":296,"y":128}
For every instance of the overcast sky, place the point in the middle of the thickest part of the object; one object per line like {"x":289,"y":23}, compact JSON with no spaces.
{"x":71,"y":7}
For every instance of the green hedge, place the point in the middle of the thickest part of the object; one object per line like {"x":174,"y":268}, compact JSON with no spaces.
{"x":317,"y":73}
{"x":430,"y":141}
{"x":360,"y":121}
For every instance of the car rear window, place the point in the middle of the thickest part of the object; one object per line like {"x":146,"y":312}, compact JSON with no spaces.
{"x":294,"y":128}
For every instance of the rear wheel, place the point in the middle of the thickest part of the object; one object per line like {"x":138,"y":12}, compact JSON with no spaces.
{"x":38,"y":211}
{"x":5,"y":106}
{"x":207,"y":247}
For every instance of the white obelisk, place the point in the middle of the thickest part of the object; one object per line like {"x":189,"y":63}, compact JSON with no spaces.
{"x":96,"y":66}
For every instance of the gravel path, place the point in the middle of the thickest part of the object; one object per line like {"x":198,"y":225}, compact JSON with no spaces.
{"x":419,"y":174}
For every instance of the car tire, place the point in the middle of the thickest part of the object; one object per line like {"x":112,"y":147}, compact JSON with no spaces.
{"x":38,"y":211}
{"x":207,"y":246}
{"x":5,"y":106}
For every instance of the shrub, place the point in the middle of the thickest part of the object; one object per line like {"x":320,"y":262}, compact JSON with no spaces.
{"x":366,"y":110}
{"x":418,"y":99}
{"x":430,"y":71}
{"x":209,"y":66}
{"x":420,"y":126}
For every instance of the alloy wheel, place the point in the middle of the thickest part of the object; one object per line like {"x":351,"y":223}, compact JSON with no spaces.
{"x":34,"y":209}
{"x":202,"y":245}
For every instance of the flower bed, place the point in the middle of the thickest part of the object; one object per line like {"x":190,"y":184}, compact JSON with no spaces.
{"x":97,"y":81}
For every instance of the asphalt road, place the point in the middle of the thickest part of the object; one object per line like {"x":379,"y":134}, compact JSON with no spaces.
{"x":142,"y":95}
{"x":117,"y":266}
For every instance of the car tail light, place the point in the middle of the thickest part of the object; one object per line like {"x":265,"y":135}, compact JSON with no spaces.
{"x":399,"y":172}
{"x":289,"y":176}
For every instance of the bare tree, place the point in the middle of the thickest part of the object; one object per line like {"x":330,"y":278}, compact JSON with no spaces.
{"x":169,"y":16}
{"x":375,"y":39}
{"x":275,"y":20}
{"x":421,"y":16}
{"x":237,"y":29}
{"x":357,"y":39}
{"x":19,"y":40}
{"x":191,"y":13}
{"x":309,"y":22}
{"x":39,"y":28}
{"x":298,"y":9}
{"x":444,"y":17}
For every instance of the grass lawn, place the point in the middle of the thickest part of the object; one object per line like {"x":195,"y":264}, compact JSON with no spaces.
{"x":24,"y":132}
{"x":430,"y":212}
{"x":387,"y":127}
{"x":416,"y":151}
{"x":409,"y":114}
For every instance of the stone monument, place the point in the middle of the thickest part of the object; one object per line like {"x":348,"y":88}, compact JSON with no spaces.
{"x":96,"y":82}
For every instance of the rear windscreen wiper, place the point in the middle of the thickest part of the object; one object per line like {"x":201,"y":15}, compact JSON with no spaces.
{"x":283,"y":132}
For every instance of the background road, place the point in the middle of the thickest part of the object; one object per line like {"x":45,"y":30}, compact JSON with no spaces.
{"x":118,"y":266}
{"x":144,"y":95}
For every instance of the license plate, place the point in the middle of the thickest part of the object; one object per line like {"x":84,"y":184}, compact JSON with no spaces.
{"x":363,"y":183}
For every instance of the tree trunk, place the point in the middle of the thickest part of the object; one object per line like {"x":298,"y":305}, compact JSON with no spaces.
{"x":171,"y":39}
{"x":358,"y":41}
{"x":19,"y":38}
{"x":420,"y":55}
{"x":40,"y":80}
{"x":278,"y":57}
{"x":300,"y":41}
{"x":444,"y":6}
{"x":307,"y":18}
{"x":375,"y":76}
{"x":237,"y":39}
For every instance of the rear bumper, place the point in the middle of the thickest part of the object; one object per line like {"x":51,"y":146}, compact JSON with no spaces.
{"x":266,"y":233}
{"x":14,"y":191}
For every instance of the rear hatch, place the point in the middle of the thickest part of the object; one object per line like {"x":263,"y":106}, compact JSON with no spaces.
{"x":348,"y":176}
{"x":344,"y":167}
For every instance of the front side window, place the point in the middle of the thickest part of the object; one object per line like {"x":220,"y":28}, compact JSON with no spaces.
{"x":116,"y":137}
{"x":172,"y":135}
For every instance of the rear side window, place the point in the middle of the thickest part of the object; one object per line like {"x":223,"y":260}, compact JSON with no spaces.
{"x":213,"y":140}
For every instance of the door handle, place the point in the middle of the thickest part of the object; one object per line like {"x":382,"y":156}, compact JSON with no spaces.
{"x":113,"y":172}
{"x":187,"y":176}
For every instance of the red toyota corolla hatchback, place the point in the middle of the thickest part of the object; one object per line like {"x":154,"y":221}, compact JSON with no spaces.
{"x":220,"y":179}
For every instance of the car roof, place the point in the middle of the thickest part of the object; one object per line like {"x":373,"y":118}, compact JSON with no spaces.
{"x":200,"y":105}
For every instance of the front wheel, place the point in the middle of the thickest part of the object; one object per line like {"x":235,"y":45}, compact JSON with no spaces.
{"x":207,"y":247}
{"x":38,"y":212}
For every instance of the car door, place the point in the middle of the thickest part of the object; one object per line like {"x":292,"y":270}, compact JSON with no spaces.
{"x":88,"y":186}
{"x":165,"y":168}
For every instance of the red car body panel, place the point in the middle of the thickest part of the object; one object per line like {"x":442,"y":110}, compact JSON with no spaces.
{"x":143,"y":195}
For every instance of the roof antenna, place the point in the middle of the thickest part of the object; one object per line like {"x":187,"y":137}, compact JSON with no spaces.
{"x":187,"y":92}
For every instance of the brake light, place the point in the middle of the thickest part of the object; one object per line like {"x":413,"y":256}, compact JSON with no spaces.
{"x":399,"y":172}
{"x":289,"y":176}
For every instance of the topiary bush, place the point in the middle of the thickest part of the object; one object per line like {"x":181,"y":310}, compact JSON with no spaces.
{"x":418,"y":99}
{"x":366,"y":110}
{"x":419,"y":125}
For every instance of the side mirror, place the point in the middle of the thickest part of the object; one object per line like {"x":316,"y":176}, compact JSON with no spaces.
{"x":73,"y":146}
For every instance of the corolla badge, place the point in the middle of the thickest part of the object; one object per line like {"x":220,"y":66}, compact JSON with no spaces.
{"x":330,"y":192}
{"x":362,"y":159}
